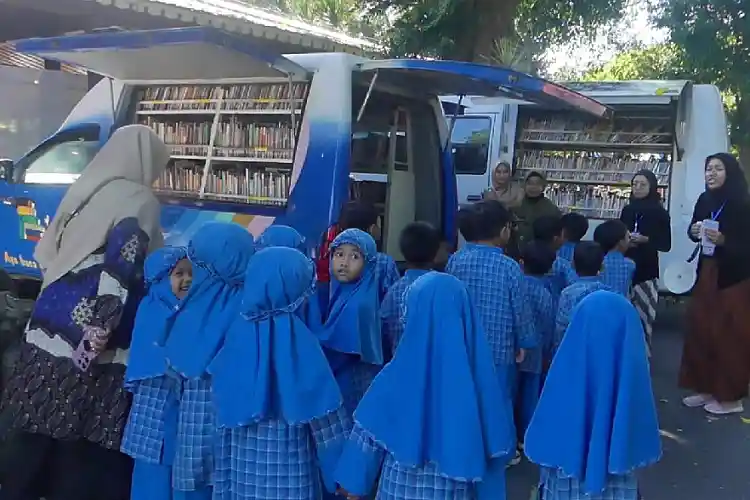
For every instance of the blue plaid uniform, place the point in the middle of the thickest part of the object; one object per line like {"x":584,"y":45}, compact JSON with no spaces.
{"x":543,"y":318}
{"x":617,"y":272}
{"x":196,"y":437}
{"x":566,"y":251}
{"x":554,"y":485}
{"x":143,"y":438}
{"x":386,"y":271}
{"x":404,"y":482}
{"x":560,"y":276}
{"x":496,"y":286}
{"x":569,"y":299}
{"x":354,"y":379}
{"x":390,"y":311}
{"x":274,"y":460}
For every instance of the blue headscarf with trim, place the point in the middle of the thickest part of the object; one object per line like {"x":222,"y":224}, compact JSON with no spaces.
{"x":353,"y":324}
{"x":596,"y":415}
{"x":286,"y":236}
{"x":220,"y":253}
{"x":155,"y":316}
{"x":271,"y":366}
{"x":281,"y":236}
{"x":439,"y":400}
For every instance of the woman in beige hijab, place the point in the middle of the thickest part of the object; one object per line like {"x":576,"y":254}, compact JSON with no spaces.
{"x":503,"y":188}
{"x":65,"y":401}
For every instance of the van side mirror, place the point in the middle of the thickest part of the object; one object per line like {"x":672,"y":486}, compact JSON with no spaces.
{"x":6,"y":169}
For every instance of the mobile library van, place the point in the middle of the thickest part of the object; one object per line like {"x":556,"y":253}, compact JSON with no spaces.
{"x":260,"y":138}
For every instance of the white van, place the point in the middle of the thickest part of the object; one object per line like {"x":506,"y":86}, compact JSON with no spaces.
{"x":666,"y":126}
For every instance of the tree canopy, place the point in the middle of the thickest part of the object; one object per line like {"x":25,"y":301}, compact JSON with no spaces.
{"x":663,"y":61}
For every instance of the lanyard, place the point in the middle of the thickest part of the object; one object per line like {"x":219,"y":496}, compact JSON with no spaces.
{"x":637,"y":223}
{"x":715,"y":215}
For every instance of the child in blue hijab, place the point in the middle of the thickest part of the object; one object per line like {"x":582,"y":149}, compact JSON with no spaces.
{"x":151,"y":430}
{"x":220,"y":253}
{"x":277,"y":403}
{"x":352,"y":335}
{"x":596,"y":421}
{"x":281,"y":236}
{"x":436,"y":422}
{"x":288,"y":237}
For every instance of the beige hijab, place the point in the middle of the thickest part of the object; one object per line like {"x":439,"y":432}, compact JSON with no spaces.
{"x":116,"y":185}
{"x":509,"y":195}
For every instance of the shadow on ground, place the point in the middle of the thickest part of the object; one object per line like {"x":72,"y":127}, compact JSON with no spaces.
{"x":705,"y":457}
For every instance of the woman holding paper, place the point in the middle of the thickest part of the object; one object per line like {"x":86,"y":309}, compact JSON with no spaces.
{"x":716,"y":355}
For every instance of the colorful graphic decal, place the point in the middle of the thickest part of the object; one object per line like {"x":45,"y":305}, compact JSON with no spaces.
{"x":30,"y":226}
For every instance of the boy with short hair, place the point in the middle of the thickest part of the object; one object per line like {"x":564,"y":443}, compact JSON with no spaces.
{"x":496,"y":286}
{"x":549,"y":231}
{"x":587,"y":261}
{"x":617,"y":271}
{"x":575,"y":226}
{"x":420,"y":243}
{"x":536,"y":258}
{"x":364,"y":216}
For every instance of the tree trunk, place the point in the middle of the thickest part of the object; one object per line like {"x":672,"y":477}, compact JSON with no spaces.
{"x":494,"y":19}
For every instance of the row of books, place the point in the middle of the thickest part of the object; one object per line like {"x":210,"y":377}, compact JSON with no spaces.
{"x":238,"y":183}
{"x":588,"y":168}
{"x":233,"y":137}
{"x":560,"y":130}
{"x":592,"y":202}
{"x":248,"y":96}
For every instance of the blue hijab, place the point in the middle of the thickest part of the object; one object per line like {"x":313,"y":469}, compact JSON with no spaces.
{"x":596,"y":415}
{"x":439,"y":400}
{"x":285,"y":236}
{"x":271,"y":365}
{"x":155,"y":316}
{"x":353,"y":324}
{"x":219,"y":252}
{"x":281,"y":236}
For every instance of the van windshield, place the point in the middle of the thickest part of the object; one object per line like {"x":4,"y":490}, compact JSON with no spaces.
{"x":61,"y":160}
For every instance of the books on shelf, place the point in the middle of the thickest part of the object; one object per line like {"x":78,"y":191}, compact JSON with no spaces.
{"x":226,"y":151}
{"x":236,"y":97}
{"x":589,"y":169}
{"x":598,"y":202}
{"x":558,"y":130}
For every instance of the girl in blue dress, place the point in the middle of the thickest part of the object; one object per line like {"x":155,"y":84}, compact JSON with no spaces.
{"x":596,"y":422}
{"x":279,"y":409}
{"x":351,"y":334}
{"x":436,"y":424}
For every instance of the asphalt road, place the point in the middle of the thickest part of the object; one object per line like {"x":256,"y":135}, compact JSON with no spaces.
{"x":705,"y":457}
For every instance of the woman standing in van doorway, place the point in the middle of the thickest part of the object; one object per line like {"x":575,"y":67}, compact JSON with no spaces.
{"x":716,"y":355}
{"x":65,"y":400}
{"x":533,"y":206}
{"x":504,"y":189}
{"x":650,"y":229}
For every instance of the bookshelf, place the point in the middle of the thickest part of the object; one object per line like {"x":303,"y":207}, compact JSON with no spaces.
{"x":589,"y":165}
{"x":229,"y":143}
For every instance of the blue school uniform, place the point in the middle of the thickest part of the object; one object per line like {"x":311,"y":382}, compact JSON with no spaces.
{"x":617,"y":272}
{"x":351,"y":335}
{"x":569,"y":299}
{"x":496,"y":287}
{"x":561,"y":275}
{"x":567,"y":250}
{"x":391,"y":310}
{"x":530,"y":370}
{"x":288,"y":237}
{"x":220,"y":253}
{"x":387,"y":272}
{"x":278,"y":406}
{"x":596,"y":421}
{"x":436,"y":423}
{"x":151,"y":430}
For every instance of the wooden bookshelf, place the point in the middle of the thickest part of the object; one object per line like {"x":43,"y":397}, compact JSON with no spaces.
{"x":589,"y":165}
{"x":229,"y":143}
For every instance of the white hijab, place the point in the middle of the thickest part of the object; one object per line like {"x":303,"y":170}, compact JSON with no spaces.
{"x":116,"y":185}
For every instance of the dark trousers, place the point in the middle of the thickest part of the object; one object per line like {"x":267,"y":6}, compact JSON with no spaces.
{"x":64,"y":470}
